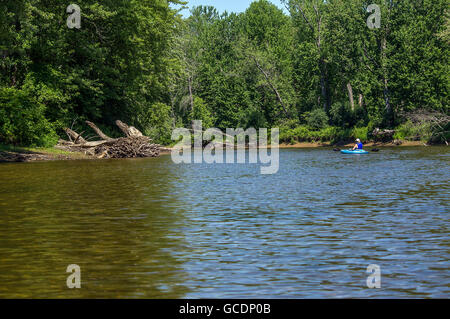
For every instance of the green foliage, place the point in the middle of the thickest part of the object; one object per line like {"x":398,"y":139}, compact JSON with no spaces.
{"x":404,"y":131}
{"x":159,"y":123}
{"x":361,"y":133}
{"x":304,"y":133}
{"x":426,"y":132}
{"x":331,"y":134}
{"x":22,"y":120}
{"x":317,"y":119}
{"x":338,"y":114}
{"x":253,"y":118}
{"x":201,"y":113}
{"x":112,"y":68}
{"x":142,"y":63}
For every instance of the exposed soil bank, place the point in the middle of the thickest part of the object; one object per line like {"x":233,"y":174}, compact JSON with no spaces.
{"x":33,"y":156}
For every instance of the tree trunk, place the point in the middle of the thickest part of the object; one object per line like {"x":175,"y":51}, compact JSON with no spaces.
{"x":385,"y":77}
{"x":350,"y":96}
{"x":13,"y":77}
{"x":322,"y":64}
{"x":98,"y":131}
{"x":132,"y":146}
{"x":360,"y":100}
{"x":191,"y":98}
{"x":76,"y":138}
{"x":323,"y":85}
{"x":129,"y":131}
{"x":386,"y":91}
{"x":280,"y":100}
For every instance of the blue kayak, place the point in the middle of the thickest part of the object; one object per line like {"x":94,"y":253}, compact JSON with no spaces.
{"x":354,"y":152}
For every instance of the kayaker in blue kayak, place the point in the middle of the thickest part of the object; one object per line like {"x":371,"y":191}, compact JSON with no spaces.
{"x":358,"y":145}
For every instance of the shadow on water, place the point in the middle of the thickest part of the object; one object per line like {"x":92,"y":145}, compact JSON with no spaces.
{"x":116,"y":219}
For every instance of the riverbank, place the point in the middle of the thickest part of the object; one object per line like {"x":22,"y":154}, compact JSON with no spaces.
{"x":10,"y":153}
{"x":29,"y":154}
{"x":367,"y":145}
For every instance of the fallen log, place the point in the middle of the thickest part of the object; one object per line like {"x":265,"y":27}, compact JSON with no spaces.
{"x":97,"y":143}
{"x":64,"y":143}
{"x":135,"y":144}
{"x":77,"y":138}
{"x":129,"y":131}
{"x":102,"y":135}
{"x":128,"y":147}
{"x":383,"y":135}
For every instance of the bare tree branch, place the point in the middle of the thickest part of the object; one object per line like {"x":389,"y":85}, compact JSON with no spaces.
{"x":280,"y":100}
{"x":304,"y":17}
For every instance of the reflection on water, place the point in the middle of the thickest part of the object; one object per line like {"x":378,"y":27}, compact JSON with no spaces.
{"x":151,"y":229}
{"x":116,"y":219}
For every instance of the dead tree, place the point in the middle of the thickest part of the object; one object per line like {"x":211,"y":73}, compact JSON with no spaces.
{"x":135,"y":144}
{"x":74,"y":136}
{"x":383,"y":135}
{"x":129,"y":131}
{"x":98,"y":131}
{"x":272,"y":86}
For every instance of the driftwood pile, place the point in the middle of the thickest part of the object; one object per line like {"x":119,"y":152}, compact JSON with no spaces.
{"x":383,"y":135}
{"x":133,"y":145}
{"x":437,"y":121}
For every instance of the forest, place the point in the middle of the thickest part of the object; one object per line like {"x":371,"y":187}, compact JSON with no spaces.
{"x":315,"y":70}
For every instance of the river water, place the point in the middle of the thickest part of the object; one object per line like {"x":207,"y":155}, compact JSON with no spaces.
{"x":148,"y":228}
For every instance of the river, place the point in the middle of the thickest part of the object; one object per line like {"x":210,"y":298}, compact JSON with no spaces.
{"x":147,"y":228}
